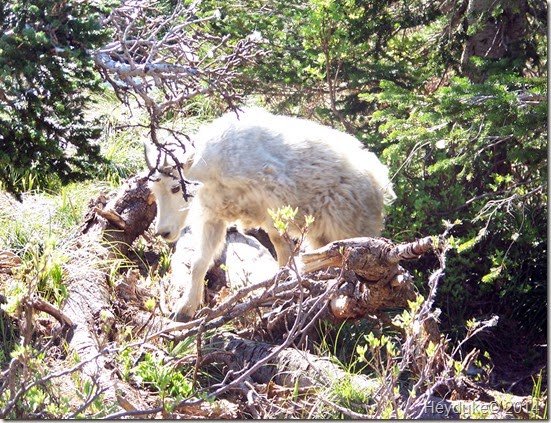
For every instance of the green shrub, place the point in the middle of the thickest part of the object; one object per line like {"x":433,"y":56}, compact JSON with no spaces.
{"x":475,"y":154}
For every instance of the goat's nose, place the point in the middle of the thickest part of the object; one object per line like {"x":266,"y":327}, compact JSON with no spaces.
{"x":163,"y":234}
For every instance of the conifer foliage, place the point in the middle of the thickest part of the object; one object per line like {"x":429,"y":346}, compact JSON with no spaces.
{"x":46,"y":75}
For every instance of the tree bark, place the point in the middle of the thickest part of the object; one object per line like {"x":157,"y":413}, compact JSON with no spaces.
{"x":109,"y":230}
{"x":290,"y":367}
{"x":496,"y":35}
{"x":117,"y":223}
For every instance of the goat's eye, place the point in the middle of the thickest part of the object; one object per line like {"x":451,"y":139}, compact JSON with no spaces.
{"x":175,"y":189}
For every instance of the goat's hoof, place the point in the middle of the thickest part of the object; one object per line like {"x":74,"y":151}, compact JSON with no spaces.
{"x":180,"y":317}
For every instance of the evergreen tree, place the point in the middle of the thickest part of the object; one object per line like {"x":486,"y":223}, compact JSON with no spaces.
{"x":46,"y":75}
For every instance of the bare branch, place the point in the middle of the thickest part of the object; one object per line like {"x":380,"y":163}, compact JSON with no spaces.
{"x":164,"y":60}
{"x":39,"y":304}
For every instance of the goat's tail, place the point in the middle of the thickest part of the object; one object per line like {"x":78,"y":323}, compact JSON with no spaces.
{"x":379,"y":172}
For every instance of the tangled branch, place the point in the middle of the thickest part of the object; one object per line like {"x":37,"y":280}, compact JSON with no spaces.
{"x":165,"y":59}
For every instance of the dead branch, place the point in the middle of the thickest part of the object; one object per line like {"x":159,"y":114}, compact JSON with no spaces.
{"x":165,"y":58}
{"x":112,"y":217}
{"x":39,"y":304}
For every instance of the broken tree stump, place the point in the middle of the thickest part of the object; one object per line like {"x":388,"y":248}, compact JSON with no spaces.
{"x":117,"y":223}
{"x":371,"y":278}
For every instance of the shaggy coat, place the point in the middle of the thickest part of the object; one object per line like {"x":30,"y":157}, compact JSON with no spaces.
{"x":258,"y":161}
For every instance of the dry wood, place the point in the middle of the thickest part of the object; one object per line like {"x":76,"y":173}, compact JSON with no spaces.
{"x":373,"y":280}
{"x":152,"y":53}
{"x":100,"y":245}
{"x":8,"y":261}
{"x":39,"y":304}
{"x":369,"y":281}
{"x":374,"y":259}
{"x":365,"y":278}
{"x":290,"y":367}
{"x":121,"y":220}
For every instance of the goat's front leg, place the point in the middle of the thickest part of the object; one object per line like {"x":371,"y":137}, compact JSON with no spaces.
{"x":282,"y":248}
{"x":210,"y":240}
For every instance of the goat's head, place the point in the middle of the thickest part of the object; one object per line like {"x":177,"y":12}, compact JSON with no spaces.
{"x":166,"y":184}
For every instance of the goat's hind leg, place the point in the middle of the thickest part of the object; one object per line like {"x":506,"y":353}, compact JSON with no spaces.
{"x":210,"y":239}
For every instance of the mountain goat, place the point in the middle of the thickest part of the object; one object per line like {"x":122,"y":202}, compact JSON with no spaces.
{"x":257,"y":161}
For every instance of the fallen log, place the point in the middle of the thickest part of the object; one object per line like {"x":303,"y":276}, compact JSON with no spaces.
{"x":106,"y":235}
{"x":367,"y":282}
{"x":374,"y":259}
{"x":374,"y":279}
{"x":289,"y":367}
{"x":267,"y":365}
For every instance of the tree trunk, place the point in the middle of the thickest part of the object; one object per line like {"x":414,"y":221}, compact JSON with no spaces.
{"x":290,"y":367}
{"x":107,"y":233}
{"x":498,"y":30}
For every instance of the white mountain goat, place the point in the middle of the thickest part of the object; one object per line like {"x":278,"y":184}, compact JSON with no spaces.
{"x":258,"y":161}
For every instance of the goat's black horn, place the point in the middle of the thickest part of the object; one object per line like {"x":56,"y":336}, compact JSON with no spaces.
{"x":147,"y":151}
{"x":165,"y":160}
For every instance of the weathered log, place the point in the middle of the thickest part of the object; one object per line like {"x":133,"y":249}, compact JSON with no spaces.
{"x":374,"y":259}
{"x":117,"y":223}
{"x":289,"y":367}
{"x":108,"y":231}
{"x":374,"y":279}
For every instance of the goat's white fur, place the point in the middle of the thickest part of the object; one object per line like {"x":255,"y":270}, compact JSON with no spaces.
{"x":258,"y":161}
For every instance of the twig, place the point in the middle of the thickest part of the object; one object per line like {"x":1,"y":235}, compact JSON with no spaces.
{"x":90,"y":400}
{"x":198,"y":344}
{"x":154,"y":54}
{"x":14,"y":398}
{"x":134,"y":413}
{"x":346,"y":411}
{"x":422,"y":315}
{"x":39,"y":304}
